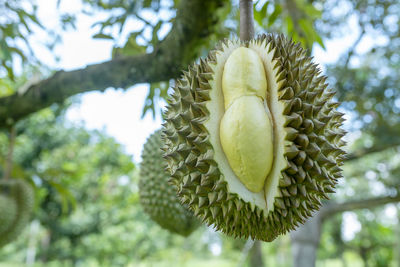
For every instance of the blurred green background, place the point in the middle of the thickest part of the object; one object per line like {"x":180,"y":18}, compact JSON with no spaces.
{"x":87,"y":210}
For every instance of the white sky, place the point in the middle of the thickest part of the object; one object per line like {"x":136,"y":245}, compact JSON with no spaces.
{"x":78,"y":49}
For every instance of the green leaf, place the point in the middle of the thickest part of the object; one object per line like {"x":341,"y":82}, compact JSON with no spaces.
{"x":18,"y":51}
{"x":69,"y":166}
{"x":131,"y":47}
{"x":319,"y":41}
{"x":289,"y":25}
{"x":102,"y":36}
{"x":65,"y":194}
{"x":149,"y":102}
{"x":311,"y":35}
{"x":9,"y":70}
{"x":156,"y":28}
{"x":259,"y":15}
{"x":23,"y":21}
{"x":277,"y":11}
{"x":34,"y":19}
{"x":312,"y":12}
{"x":6,"y":55}
{"x":5,"y":88}
{"x":147,"y":3}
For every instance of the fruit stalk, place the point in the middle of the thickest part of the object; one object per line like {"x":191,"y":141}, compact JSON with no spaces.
{"x":246,"y":20}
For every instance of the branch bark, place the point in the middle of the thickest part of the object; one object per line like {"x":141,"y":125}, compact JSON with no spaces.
{"x":305,"y":242}
{"x":331,"y":209}
{"x":363,"y":152}
{"x":195,"y":20}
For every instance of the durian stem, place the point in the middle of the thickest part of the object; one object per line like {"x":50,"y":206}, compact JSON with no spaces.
{"x":245,"y":252}
{"x":9,"y":163}
{"x":246,"y":20}
{"x":256,"y":257}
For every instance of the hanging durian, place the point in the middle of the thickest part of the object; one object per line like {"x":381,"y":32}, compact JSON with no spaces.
{"x":8,"y":213}
{"x":253,"y":138}
{"x":157,"y":196}
{"x":16,"y":205}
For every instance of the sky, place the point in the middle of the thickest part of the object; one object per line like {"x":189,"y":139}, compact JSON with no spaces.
{"x":118,"y":112}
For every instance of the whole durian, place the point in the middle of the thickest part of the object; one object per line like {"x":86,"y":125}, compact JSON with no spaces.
{"x":16,"y":205}
{"x":8,"y":213}
{"x":157,"y":196}
{"x":253,"y":139}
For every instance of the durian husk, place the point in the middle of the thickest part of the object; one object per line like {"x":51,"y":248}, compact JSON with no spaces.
{"x":8,"y":213}
{"x":20,"y":197}
{"x":307,"y":143}
{"x":159,"y":198}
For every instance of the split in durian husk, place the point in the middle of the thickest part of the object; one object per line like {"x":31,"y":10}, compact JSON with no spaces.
{"x":306,"y":141}
{"x":17,"y":199}
{"x":157,"y":196}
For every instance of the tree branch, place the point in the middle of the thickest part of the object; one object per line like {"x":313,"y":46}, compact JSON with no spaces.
{"x":351,"y":51}
{"x":331,"y":209}
{"x":363,"y":152}
{"x":194,"y":21}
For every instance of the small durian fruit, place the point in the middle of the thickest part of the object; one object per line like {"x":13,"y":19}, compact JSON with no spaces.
{"x":252,"y":137}
{"x":157,"y":196}
{"x":17,"y":199}
{"x":8,"y":213}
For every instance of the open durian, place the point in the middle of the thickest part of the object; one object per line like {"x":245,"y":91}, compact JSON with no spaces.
{"x":253,"y":140}
{"x":16,"y":204}
{"x":157,"y":196}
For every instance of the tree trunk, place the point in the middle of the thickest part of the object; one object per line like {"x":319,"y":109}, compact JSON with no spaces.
{"x":256,"y":258}
{"x":343,"y":260}
{"x":397,"y":247}
{"x":364,"y":257}
{"x":31,"y":250}
{"x":45,"y":246}
{"x":305,"y":241}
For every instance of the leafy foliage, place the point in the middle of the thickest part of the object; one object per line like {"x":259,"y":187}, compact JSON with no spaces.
{"x":296,"y":18}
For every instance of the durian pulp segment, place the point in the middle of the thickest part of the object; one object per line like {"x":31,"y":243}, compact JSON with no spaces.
{"x":246,"y":129}
{"x":243,"y":75}
{"x":265,"y":198}
{"x":276,"y":108}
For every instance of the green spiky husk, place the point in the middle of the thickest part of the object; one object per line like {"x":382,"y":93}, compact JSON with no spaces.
{"x":312,"y":149}
{"x":8,"y":213}
{"x":21,"y":195}
{"x":157,"y":196}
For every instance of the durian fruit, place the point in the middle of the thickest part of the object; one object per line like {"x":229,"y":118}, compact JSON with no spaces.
{"x":252,"y":137}
{"x":8,"y":213}
{"x":17,"y":199}
{"x":157,"y":196}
